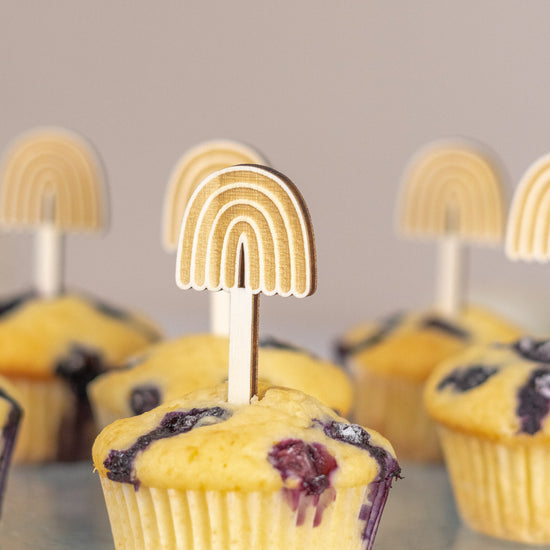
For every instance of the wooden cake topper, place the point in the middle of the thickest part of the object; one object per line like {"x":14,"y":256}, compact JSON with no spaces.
{"x":246,"y":229}
{"x":452,"y":191}
{"x":193,"y":167}
{"x":51,"y":181}
{"x":528,"y":233}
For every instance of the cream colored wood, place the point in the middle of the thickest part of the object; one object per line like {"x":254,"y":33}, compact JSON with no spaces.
{"x":263,"y":210}
{"x":243,"y":346}
{"x":528,"y":231}
{"x":52,"y":164}
{"x":192,"y":168}
{"x":246,"y":229}
{"x":452,"y":191}
{"x":49,"y":256}
{"x":451,"y":276}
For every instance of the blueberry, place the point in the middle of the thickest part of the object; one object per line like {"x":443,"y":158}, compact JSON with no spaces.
{"x":466,"y":378}
{"x":120,"y":464}
{"x":534,"y":401}
{"x":144,"y":398}
{"x":533,"y":350}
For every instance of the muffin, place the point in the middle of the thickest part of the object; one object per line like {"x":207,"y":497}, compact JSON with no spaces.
{"x":10,"y":418}
{"x":283,"y":472}
{"x":491,"y":407}
{"x":174,"y":368}
{"x":49,"y":350}
{"x":391,"y":360}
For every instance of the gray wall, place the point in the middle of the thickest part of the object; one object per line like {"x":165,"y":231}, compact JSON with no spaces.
{"x":338,"y":95}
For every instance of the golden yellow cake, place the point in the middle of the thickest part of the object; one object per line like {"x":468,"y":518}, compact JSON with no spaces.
{"x":11,"y":414}
{"x":491,"y":407}
{"x":174,"y":368}
{"x":49,"y":350}
{"x":282,"y":473}
{"x":391,"y":360}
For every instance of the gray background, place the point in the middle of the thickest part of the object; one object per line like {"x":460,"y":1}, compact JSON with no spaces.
{"x":337,"y":95}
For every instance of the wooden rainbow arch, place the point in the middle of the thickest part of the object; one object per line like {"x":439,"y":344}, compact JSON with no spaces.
{"x":193,"y":168}
{"x":252,"y":214}
{"x":450,"y":188}
{"x":528,"y":232}
{"x":50,"y":175}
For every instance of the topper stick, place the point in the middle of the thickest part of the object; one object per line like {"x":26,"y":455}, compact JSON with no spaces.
{"x":452,"y":192}
{"x":192,"y":168}
{"x":243,"y":346}
{"x":246,"y":229}
{"x":51,"y":182}
{"x":450,"y":275}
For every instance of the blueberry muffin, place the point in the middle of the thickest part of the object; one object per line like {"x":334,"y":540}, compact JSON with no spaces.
{"x":491,"y":406}
{"x":50,"y":349}
{"x":283,"y":472}
{"x":391,"y":360}
{"x":174,"y":368}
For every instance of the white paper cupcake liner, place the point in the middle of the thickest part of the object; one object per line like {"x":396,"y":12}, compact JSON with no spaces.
{"x":167,"y":519}
{"x":501,"y":489}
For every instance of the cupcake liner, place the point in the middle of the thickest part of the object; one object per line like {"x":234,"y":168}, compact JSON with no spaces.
{"x":165,"y":519}
{"x":501,"y":489}
{"x":394,"y":407}
{"x":46,"y":403}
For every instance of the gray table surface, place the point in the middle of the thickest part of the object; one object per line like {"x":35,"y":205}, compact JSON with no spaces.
{"x":61,"y":507}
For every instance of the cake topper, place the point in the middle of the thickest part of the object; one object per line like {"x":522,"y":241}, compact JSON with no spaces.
{"x":528,"y":232}
{"x":51,"y":181}
{"x":246,"y":229}
{"x":452,"y":191}
{"x":192,"y":168}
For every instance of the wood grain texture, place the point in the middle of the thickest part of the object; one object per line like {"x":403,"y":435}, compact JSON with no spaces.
{"x":252,"y":216}
{"x":528,"y":231}
{"x":51,"y":175}
{"x":453,"y":187}
{"x":192,"y":168}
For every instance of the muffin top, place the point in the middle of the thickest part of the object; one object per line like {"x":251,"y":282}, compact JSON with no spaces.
{"x":411,"y":345}
{"x":284,"y":438}
{"x":498,"y":391}
{"x":39,"y":337}
{"x":175,"y":368}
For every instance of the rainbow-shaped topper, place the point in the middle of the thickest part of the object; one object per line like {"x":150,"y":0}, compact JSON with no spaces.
{"x":452,"y":190}
{"x":194,"y":167}
{"x":247,"y":230}
{"x":528,"y":232}
{"x":52,"y":181}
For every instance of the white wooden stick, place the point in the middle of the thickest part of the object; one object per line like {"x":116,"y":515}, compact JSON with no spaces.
{"x":49,"y":259}
{"x":219,"y":313}
{"x":242,"y":385}
{"x":450,"y":284}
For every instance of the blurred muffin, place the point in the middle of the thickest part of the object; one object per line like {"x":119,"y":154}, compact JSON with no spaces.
{"x":491,"y":406}
{"x":283,"y":472}
{"x":391,"y":360}
{"x":175,"y":368}
{"x":50,"y":349}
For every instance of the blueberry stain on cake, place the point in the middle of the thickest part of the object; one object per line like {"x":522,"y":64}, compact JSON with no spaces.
{"x":533,"y":350}
{"x":385,"y":328}
{"x":9,"y":305}
{"x":445,"y":326}
{"x":120,"y":464}
{"x":534,"y":401}
{"x":388,"y":470}
{"x":310,"y":465}
{"x":144,"y":398}
{"x":467,"y":378}
{"x":77,"y":368}
{"x":9,"y":435}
